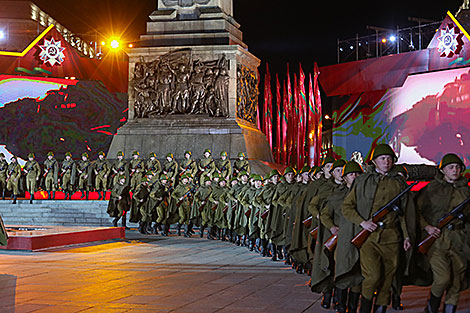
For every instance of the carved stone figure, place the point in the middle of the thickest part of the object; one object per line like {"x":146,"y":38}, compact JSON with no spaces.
{"x":247,"y":94}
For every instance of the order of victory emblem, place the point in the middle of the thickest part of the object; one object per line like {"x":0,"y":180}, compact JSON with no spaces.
{"x":52,"y":52}
{"x":450,"y":41}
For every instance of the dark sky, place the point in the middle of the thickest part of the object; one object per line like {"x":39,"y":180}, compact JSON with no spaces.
{"x":277,"y":31}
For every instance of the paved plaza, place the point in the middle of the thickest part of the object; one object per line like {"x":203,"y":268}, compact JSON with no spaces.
{"x":155,"y":274}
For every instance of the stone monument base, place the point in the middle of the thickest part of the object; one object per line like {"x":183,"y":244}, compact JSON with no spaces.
{"x":179,"y":133}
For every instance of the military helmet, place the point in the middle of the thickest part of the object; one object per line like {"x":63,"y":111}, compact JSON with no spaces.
{"x":305,"y":169}
{"x":338,"y":163}
{"x":273,"y":173}
{"x":163,"y":177}
{"x":257,"y":177}
{"x":243,"y":173}
{"x":187,"y":175}
{"x":208,"y":151}
{"x":313,"y":169}
{"x":144,"y":180}
{"x":120,"y":153}
{"x":150,"y":173}
{"x":215,"y":175}
{"x":169,"y":155}
{"x":223,"y":153}
{"x":288,"y":170}
{"x":449,"y":159}
{"x":68,"y":154}
{"x":135,"y":152}
{"x":152,"y":154}
{"x":188,"y":152}
{"x":84,"y":154}
{"x":122,"y":177}
{"x":383,"y":149}
{"x":351,"y":167}
{"x":241,"y":155}
{"x":100,"y":153}
{"x":2,"y":155}
{"x":31,"y":155}
{"x":328,"y":159}
{"x":50,"y":153}
{"x":316,"y":170}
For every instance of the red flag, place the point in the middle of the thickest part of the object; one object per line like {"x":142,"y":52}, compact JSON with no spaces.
{"x":285,"y":119}
{"x":291,"y":120}
{"x":312,"y":122}
{"x":279,"y":120}
{"x":268,"y":107}
{"x":302,"y":122}
{"x":318,"y":111}
{"x":295,"y":122}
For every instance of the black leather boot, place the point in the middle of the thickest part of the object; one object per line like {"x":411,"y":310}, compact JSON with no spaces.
{"x":326,"y":300}
{"x":187,"y":233}
{"x":237,"y":240}
{"x":141,"y":227}
{"x":31,"y":198}
{"x":115,"y":221}
{"x":300,"y":270}
{"x":380,"y":308}
{"x":396,"y":303}
{"x":251,"y":245}
{"x":124,"y":222}
{"x":201,"y":232}
{"x":273,"y":252}
{"x":450,"y":308}
{"x":14,"y":199}
{"x":3,"y":194}
{"x":87,"y":193}
{"x":353,"y":302}
{"x":263,"y":245}
{"x":209,"y":233}
{"x":433,"y":304}
{"x":156,"y":227}
{"x":341,"y":296}
{"x":190,"y":228}
{"x":280,"y":255}
{"x":178,"y":228}
{"x":83,"y":194}
{"x":99,"y":195}
{"x":165,"y":230}
{"x":366,"y":305}
{"x":53,"y":195}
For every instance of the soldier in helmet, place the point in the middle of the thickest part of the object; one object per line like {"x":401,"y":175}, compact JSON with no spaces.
{"x":120,"y":168}
{"x":170,"y":168}
{"x":379,"y":255}
{"x":32,"y":171}
{"x":3,"y":174}
{"x":153,"y":165}
{"x":199,"y":213}
{"x":181,"y":197}
{"x":84,"y":175}
{"x":101,"y":170}
{"x":241,"y":165}
{"x":447,"y":255}
{"x":188,"y":166}
{"x":119,"y":202}
{"x":139,"y":208}
{"x":136,"y":170}
{"x":224,"y":167}
{"x":158,"y":202}
{"x":51,"y":175}
{"x":13,"y":178}
{"x":206,"y":165}
{"x":68,"y":171}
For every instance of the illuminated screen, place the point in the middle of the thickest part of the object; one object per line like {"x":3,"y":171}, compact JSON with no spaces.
{"x":422,"y":120}
{"x":60,"y":115}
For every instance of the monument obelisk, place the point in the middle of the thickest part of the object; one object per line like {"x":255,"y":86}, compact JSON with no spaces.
{"x":192,"y":85}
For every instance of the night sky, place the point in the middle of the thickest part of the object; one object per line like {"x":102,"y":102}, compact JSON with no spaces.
{"x":276,"y":31}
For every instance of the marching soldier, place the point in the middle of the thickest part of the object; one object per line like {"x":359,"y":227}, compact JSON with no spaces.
{"x":181,"y":196}
{"x":139,"y":208}
{"x":119,"y":201}
{"x":241,"y":165}
{"x":154,"y":165}
{"x":235,"y":187}
{"x":84,"y":175}
{"x":136,"y":169}
{"x":13,"y":178}
{"x":206,"y":165}
{"x":223,"y":167}
{"x":32,"y":171}
{"x":253,"y":210}
{"x":51,"y":174}
{"x":240,"y":223}
{"x":379,"y":255}
{"x":67,"y":175}
{"x":170,"y":168}
{"x":221,"y":214}
{"x":159,"y":200}
{"x":188,"y":166}
{"x":199,"y":216}
{"x":3,"y":174}
{"x":447,"y":255}
{"x":218,"y":222}
{"x":101,"y":170}
{"x":121,"y":168}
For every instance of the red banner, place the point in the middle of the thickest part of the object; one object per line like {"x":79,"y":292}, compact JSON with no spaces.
{"x":279,"y":120}
{"x":268,"y":104}
{"x":301,"y":120}
{"x":318,"y":111}
{"x":285,"y":119}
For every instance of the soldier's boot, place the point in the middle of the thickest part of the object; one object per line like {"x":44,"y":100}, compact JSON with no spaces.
{"x":49,"y":195}
{"x":83,"y":194}
{"x":341,"y":296}
{"x":141,"y":225}
{"x":433,"y":304}
{"x":396,"y":302}
{"x":3,"y":194}
{"x":201,"y":230}
{"x":353,"y":302}
{"x":87,"y":193}
{"x":99,"y":195}
{"x":450,"y":308}
{"x":165,"y":230}
{"x":263,"y":247}
{"x":67,"y":194}
{"x":187,"y":232}
{"x":115,"y":221}
{"x":53,"y":195}
{"x":380,"y":308}
{"x":280,"y":255}
{"x":209,"y":233}
{"x":147,"y":228}
{"x":366,"y":305}
{"x":156,"y":227}
{"x":124,"y":221}
{"x":31,"y":198}
{"x":257,"y":245}
{"x":104,"y":195}
{"x":251,"y":245}
{"x":190,"y":228}
{"x":308,"y":268}
{"x":14,"y":199}
{"x":326,"y":300}
{"x":178,"y":228}
{"x":273,"y":252}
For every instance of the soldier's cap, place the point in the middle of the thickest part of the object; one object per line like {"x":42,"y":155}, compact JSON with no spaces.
{"x":31,"y":155}
{"x":208,"y":151}
{"x":187,"y":175}
{"x":449,"y":159}
{"x":401,"y":169}
{"x":135,"y":152}
{"x":102,"y":153}
{"x":163,"y":177}
{"x":169,"y":155}
{"x":257,"y":177}
{"x":50,"y":153}
{"x":120,"y":153}
{"x":383,"y":149}
{"x":152,"y":154}
{"x":243,"y":173}
{"x":223,"y":153}
{"x":188,"y":152}
{"x":305,"y":169}
{"x":2,"y":155}
{"x":328,"y":159}
{"x":351,"y":167}
{"x":68,"y":154}
{"x":338,"y":163}
{"x":241,"y":155}
{"x":84,"y":154}
{"x":273,"y":173}
{"x":288,"y":170}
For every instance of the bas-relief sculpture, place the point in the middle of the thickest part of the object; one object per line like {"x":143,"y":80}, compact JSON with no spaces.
{"x":247,"y":94}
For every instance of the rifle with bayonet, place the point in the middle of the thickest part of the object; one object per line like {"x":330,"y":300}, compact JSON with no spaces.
{"x":444,"y":221}
{"x":202,"y":206}
{"x":331,"y":243}
{"x":377,"y":217}
{"x":66,"y":169}
{"x":135,"y":169}
{"x":185,"y":196}
{"x":204,"y":168}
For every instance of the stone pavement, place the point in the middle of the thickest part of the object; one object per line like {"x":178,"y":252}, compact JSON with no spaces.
{"x":155,"y":274}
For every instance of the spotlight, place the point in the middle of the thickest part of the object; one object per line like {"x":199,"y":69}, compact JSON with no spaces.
{"x":351,"y":47}
{"x":341,"y":49}
{"x":115,"y":44}
{"x":392,"y":38}
{"x":2,"y":35}
{"x":384,"y":40}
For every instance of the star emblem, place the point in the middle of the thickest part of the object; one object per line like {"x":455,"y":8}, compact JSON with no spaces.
{"x":52,"y":52}
{"x":450,"y":41}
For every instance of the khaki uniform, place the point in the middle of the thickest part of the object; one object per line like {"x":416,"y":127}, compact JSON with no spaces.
{"x":158,"y":202}
{"x":51,"y":168}
{"x":170,"y":169}
{"x":101,"y":171}
{"x":154,"y":166}
{"x":224,"y":168}
{"x":139,"y":205}
{"x":84,"y":175}
{"x":379,"y":255}
{"x":68,"y":172}
{"x":188,"y":166}
{"x":240,"y":222}
{"x":240,"y":166}
{"x":275,"y":220}
{"x":136,"y":172}
{"x":448,"y":256}
{"x":3,"y":176}
{"x":119,"y":207}
{"x":185,"y":208}
{"x":199,"y":216}
{"x":33,"y":171}
{"x":120,"y":168}
{"x":206,"y":167}
{"x":13,"y":178}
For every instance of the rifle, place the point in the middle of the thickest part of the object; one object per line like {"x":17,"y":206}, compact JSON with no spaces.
{"x":65,"y":171}
{"x":314,"y":233}
{"x":444,"y":221}
{"x":185,"y":169}
{"x":240,"y":170}
{"x":331,"y":243}
{"x":225,"y":209}
{"x":184,"y":197}
{"x":214,"y":207}
{"x":248,"y":213}
{"x":362,"y":236}
{"x":167,"y":193}
{"x":204,"y":168}
{"x":201,"y":208}
{"x":264,"y":215}
{"x":10,"y":172}
{"x":135,"y":169}
{"x":308,"y":222}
